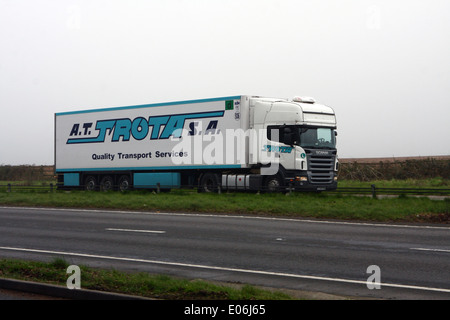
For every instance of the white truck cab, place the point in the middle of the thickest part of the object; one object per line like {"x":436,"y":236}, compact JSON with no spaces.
{"x":302,"y":134}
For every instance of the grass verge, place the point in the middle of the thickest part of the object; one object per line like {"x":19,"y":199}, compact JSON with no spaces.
{"x":137,"y":284}
{"x":334,"y":206}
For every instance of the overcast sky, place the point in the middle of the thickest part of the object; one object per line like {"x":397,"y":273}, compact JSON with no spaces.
{"x":384,"y":66}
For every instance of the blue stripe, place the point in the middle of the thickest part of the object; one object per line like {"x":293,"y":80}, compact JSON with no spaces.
{"x":151,"y":179}
{"x":151,"y":105}
{"x":72,"y":179}
{"x":230,"y":166}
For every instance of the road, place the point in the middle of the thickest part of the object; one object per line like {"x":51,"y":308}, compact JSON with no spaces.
{"x":411,"y":261}
{"x":19,"y":295}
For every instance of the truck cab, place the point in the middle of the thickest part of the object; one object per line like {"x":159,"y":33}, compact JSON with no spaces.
{"x":300,"y":139}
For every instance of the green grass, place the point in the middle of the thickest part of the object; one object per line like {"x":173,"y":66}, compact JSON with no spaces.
{"x":38,"y":183}
{"x":324,"y":205}
{"x":138,"y":284}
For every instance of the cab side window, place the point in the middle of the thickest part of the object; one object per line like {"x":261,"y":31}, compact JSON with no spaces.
{"x":284,"y":134}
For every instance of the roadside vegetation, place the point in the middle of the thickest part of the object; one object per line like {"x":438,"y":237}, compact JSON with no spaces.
{"x":305,"y":205}
{"x":36,"y":186}
{"x":392,"y":169}
{"x":434,"y":183}
{"x":137,"y":284}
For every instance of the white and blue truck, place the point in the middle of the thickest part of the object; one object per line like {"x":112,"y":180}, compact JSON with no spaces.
{"x":227,"y":143}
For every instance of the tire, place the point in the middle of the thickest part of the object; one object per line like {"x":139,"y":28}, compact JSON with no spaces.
{"x":209,"y":183}
{"x":90,"y":183}
{"x":273,"y":184}
{"x":124,"y":183}
{"x":107,"y":184}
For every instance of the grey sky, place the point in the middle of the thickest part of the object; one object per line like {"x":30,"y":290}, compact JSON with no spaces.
{"x":384,"y":66}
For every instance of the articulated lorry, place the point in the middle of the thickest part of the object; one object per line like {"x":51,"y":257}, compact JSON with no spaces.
{"x":228,"y":143}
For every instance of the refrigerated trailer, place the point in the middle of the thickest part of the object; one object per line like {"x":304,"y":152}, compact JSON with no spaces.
{"x":227,"y":143}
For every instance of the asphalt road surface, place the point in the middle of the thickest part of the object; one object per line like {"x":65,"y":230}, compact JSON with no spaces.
{"x":374,"y":260}
{"x":21,"y":295}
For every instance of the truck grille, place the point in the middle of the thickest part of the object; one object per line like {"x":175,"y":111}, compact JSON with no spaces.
{"x":321,"y":169}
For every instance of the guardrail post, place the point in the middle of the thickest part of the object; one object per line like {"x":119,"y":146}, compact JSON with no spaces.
{"x":374,"y":193}
{"x":51,"y":187}
{"x":158,"y":187}
{"x":9,"y":187}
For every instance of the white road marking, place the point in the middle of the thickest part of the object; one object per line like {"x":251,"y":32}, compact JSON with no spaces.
{"x":431,"y":249}
{"x":134,"y":230}
{"x":240,"y":217}
{"x":393,"y":285}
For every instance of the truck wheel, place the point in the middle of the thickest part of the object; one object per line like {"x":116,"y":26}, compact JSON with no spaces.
{"x":107,"y":183}
{"x":90,"y":184}
{"x":273,"y":184}
{"x":209,"y":183}
{"x":124,"y":183}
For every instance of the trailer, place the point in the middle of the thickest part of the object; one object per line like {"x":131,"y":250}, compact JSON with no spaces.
{"x":226,"y":143}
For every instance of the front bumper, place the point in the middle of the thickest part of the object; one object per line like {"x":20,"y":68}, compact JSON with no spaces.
{"x":302,"y":182}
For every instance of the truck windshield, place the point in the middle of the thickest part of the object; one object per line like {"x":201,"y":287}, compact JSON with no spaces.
{"x":305,"y":137}
{"x":316,"y":138}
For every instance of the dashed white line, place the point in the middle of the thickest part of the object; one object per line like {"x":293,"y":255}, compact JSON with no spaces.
{"x":431,"y":249}
{"x":369,"y":224}
{"x":135,"y":230}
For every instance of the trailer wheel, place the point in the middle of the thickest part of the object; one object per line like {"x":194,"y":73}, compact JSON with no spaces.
{"x":124,"y":183}
{"x":107,"y":183}
{"x":209,"y":183}
{"x":90,"y":183}
{"x":273,"y":184}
